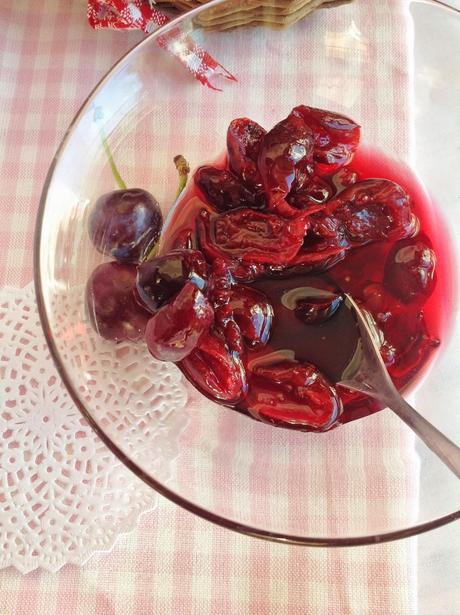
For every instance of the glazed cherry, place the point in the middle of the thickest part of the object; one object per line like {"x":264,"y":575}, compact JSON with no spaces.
{"x":285,"y":158}
{"x":253,"y":313}
{"x":111,"y":305}
{"x":224,"y":191}
{"x":174,"y":331}
{"x":410,"y":269}
{"x":216,"y":371}
{"x":244,"y":139}
{"x":336,"y":137}
{"x":162,"y":277}
{"x":251,"y":236}
{"x":374,"y":210}
{"x":315,"y":308}
{"x":293,"y":394}
{"x":125,"y":224}
{"x":314,"y":301}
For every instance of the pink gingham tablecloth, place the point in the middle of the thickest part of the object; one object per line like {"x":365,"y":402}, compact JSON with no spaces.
{"x":173,"y":562}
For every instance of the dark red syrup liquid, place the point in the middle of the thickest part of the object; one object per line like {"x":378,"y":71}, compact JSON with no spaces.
{"x":413,"y":330}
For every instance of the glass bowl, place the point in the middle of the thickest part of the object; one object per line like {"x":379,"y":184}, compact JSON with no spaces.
{"x":367,"y":481}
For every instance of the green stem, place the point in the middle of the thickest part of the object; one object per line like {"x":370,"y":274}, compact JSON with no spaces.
{"x":113,"y":166}
{"x":183,"y":169}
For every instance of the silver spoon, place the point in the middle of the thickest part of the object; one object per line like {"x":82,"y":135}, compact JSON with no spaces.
{"x":367,"y":373}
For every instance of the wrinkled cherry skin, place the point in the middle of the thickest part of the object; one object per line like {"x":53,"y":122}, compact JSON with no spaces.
{"x":110,"y":303}
{"x":336,"y":137}
{"x":291,"y":394}
{"x":253,"y":313}
{"x":224,"y":191}
{"x":285,"y":161}
{"x":221,"y":285}
{"x":215,"y":371}
{"x":125,"y":224}
{"x":325,"y":232}
{"x":244,"y":139}
{"x":162,"y":277}
{"x":374,"y":210}
{"x":324,"y":245}
{"x":174,"y":331}
{"x":367,"y":211}
{"x":410,"y":269}
{"x":371,"y":210}
{"x":251,"y":236}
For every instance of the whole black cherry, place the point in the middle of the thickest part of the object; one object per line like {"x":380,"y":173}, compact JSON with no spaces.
{"x":125,"y":224}
{"x":112,"y":308}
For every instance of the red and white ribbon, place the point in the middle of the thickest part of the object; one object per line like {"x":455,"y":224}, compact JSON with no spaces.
{"x":141,"y":15}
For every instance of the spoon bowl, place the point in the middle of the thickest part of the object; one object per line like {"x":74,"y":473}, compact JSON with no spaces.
{"x":367,"y":374}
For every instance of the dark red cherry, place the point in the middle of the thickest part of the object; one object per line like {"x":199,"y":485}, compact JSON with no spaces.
{"x":174,"y":331}
{"x":285,"y":159}
{"x":244,"y":138}
{"x":315,"y":308}
{"x":225,"y":191}
{"x":162,"y":277}
{"x":111,"y":306}
{"x":336,"y":136}
{"x":374,"y":210}
{"x":251,"y":236}
{"x":410,"y":269}
{"x":314,"y":300}
{"x":125,"y":224}
{"x":214,"y":370}
{"x":291,"y":394}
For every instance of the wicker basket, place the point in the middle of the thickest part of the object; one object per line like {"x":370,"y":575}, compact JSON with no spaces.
{"x":274,"y":13}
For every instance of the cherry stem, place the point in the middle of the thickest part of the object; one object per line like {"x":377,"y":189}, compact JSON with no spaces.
{"x":113,"y":166}
{"x":183,"y":169}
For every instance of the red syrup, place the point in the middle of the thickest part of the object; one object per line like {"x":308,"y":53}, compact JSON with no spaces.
{"x":413,"y":329}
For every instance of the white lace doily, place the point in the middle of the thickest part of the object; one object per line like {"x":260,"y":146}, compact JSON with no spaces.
{"x":63,"y":494}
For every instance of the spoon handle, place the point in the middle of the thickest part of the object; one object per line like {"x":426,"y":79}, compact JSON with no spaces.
{"x":441,"y":446}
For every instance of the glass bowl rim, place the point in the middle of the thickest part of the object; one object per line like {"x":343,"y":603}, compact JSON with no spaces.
{"x":242,"y":528}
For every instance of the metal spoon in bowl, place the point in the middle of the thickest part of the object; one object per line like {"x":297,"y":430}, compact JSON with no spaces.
{"x":367,"y":373}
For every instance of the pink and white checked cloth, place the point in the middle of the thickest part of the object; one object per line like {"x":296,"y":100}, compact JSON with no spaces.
{"x":173,"y":563}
